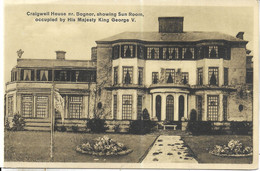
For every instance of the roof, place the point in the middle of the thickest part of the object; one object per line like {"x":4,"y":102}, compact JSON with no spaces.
{"x":171,"y":37}
{"x":54,"y":63}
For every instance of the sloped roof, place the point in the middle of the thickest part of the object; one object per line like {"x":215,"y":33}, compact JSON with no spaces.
{"x":171,"y":37}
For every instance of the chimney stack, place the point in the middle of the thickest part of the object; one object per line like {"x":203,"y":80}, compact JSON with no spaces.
{"x":60,"y":55}
{"x":240,"y":35}
{"x":170,"y":24}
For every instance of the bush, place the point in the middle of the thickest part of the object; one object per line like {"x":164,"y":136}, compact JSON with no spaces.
{"x":116,"y":128}
{"x":243,"y":127}
{"x":199,"y":127}
{"x":141,"y":126}
{"x":96,"y":125}
{"x":75,"y":128}
{"x":7,"y":125}
{"x":18,"y":123}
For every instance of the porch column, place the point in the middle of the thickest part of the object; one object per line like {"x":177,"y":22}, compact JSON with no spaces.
{"x":176,"y":107}
{"x":163,"y":107}
{"x":185,"y":106}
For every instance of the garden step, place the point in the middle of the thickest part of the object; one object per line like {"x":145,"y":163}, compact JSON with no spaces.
{"x":38,"y":120}
{"x":28,"y":128}
{"x":41,"y":124}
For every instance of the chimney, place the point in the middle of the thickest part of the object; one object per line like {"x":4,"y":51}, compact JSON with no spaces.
{"x":94,"y":53}
{"x":170,"y":24}
{"x":240,"y":35}
{"x":60,"y":55}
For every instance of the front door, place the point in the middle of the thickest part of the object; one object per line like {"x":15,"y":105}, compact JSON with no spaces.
{"x":170,"y":108}
{"x":158,"y":107}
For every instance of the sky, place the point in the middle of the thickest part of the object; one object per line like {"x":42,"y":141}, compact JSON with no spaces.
{"x":40,"y":40}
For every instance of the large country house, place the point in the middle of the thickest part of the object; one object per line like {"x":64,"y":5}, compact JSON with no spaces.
{"x":169,"y":72}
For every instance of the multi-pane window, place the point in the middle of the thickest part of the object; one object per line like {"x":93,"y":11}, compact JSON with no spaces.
{"x":115,"y":52}
{"x":115,"y":75}
{"x":14,"y":76}
{"x":213,"y":108}
{"x":225,"y":105}
{"x":75,"y":106}
{"x":27,"y":105}
{"x":155,"y":77}
{"x":127,"y":75}
{"x":185,"y":77}
{"x":115,"y":107}
{"x":170,"y":53}
{"x":170,"y":75}
{"x":127,"y":107}
{"x":199,"y":107}
{"x":140,"y":76}
{"x":74,"y":75}
{"x":41,"y":106}
{"x":42,"y":75}
{"x":10,"y":105}
{"x":128,"y":51}
{"x":139,"y":106}
{"x":225,"y":76}
{"x":200,"y":76}
{"x":140,"y":52}
{"x":27,"y":75}
{"x":152,"y":53}
{"x":213,"y":76}
{"x":187,"y":53}
{"x":213,"y":51}
{"x":200,"y":53}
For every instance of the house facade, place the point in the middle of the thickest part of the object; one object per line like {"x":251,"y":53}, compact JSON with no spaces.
{"x":169,"y":73}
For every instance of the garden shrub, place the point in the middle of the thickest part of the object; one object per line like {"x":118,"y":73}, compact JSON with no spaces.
{"x":243,"y":127}
{"x":199,"y":127}
{"x":96,"y":125}
{"x":18,"y":123}
{"x":141,"y":126}
{"x":63,"y":128}
{"x":116,"y":128}
{"x":75,"y":128}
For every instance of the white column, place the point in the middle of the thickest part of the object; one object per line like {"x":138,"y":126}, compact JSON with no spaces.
{"x":185,"y":106}
{"x":176,"y":107}
{"x":163,"y":107}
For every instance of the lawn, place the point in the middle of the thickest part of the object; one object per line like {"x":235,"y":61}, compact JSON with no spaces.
{"x":30,"y":146}
{"x":201,"y":145}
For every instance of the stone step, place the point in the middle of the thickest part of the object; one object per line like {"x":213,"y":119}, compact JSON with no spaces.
{"x":29,"y":128}
{"x":38,"y":120}
{"x":39,"y":124}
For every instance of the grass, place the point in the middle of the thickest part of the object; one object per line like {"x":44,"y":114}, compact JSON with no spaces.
{"x":30,"y":146}
{"x":201,"y":145}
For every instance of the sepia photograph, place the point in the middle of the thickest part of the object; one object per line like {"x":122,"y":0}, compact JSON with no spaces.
{"x":108,"y":84}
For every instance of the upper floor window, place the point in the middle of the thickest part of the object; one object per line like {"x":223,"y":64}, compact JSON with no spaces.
{"x":128,"y":51}
{"x":140,"y":76}
{"x":225,"y":76}
{"x":75,"y":76}
{"x":155,"y":77}
{"x":185,"y":77}
{"x":187,"y":53}
{"x":170,"y":53}
{"x":152,"y":53}
{"x":140,"y":52}
{"x":200,"y":76}
{"x":115,"y":75}
{"x":115,"y":52}
{"x":43,"y":75}
{"x":213,"y":76}
{"x":170,"y":75}
{"x":14,"y":76}
{"x":213,"y":51}
{"x":127,"y":75}
{"x":27,"y":75}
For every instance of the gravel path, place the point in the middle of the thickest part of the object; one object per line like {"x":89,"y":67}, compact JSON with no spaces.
{"x":169,"y":149}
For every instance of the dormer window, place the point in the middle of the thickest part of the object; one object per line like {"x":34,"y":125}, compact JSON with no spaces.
{"x":128,"y":51}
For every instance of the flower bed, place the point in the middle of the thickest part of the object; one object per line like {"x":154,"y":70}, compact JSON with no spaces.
{"x":103,"y":147}
{"x":234,"y":148}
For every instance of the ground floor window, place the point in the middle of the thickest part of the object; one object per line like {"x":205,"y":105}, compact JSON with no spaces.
{"x":213,"y":107}
{"x":199,"y":107}
{"x":10,"y":105}
{"x":139,"y":106}
{"x":127,"y":107}
{"x":225,"y":105}
{"x":75,"y":106}
{"x":115,"y":107}
{"x":41,"y":106}
{"x":27,"y":106}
